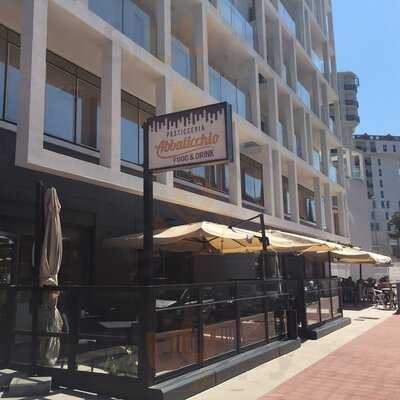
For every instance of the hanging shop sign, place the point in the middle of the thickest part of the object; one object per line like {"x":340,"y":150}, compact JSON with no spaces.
{"x":199,"y":136}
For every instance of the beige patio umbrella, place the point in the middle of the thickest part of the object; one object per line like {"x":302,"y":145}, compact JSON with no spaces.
{"x":200,"y":237}
{"x":349,"y":255}
{"x":52,"y":241}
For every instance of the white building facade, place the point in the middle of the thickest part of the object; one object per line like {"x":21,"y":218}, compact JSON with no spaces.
{"x":79,"y":77}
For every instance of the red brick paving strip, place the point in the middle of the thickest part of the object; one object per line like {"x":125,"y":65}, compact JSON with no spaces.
{"x":366,"y":368}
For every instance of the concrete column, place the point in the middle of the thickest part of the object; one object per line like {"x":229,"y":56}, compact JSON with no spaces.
{"x":301,"y":131}
{"x":164,"y":106}
{"x":292,"y":65}
{"x":289,"y":121}
{"x":277,"y":175}
{"x":342,"y":213}
{"x":330,"y":227}
{"x":273,"y":108}
{"x":110,"y":144}
{"x":201,"y":45}
{"x":341,"y":165}
{"x":317,"y":197}
{"x":278,"y":48}
{"x":316,"y":94}
{"x":254,"y":91}
{"x":325,"y":52}
{"x":307,"y":31}
{"x":235,"y":178}
{"x":268,"y":181}
{"x":261,"y":29}
{"x":293,"y":192}
{"x":324,"y":153}
{"x":163,"y":20}
{"x":309,"y":138}
{"x":33,"y":80}
{"x":325,"y":105}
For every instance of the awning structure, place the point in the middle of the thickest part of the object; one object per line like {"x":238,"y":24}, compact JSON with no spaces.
{"x":212,"y":238}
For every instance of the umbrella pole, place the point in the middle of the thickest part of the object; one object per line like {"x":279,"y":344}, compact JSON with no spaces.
{"x":39,"y":234}
{"x":361,"y":272}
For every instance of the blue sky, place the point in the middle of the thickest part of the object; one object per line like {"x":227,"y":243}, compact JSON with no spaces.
{"x":367,"y":36}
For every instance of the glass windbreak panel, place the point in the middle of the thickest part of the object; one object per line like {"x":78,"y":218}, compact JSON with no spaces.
{"x":7,"y":258}
{"x":272,"y":328}
{"x":176,"y":339}
{"x":252,"y":322}
{"x":88,"y":114}
{"x":336,"y":308}
{"x":108,"y":331}
{"x":136,"y":24}
{"x":219,"y":330}
{"x":23,"y":311}
{"x":312,"y":313}
{"x":181,"y":58}
{"x":215,"y":83}
{"x":250,"y":290}
{"x":326,"y":308}
{"x":110,"y":11}
{"x":22,"y":350}
{"x":130,"y":133}
{"x":241,"y":103}
{"x":174,"y":297}
{"x":287,"y":18}
{"x":13,"y":79}
{"x":60,"y":103}
{"x":3,"y":51}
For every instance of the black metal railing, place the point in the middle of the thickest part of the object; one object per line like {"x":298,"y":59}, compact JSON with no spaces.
{"x":148,"y":333}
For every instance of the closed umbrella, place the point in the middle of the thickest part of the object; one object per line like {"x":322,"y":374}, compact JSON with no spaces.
{"x":52,"y":241}
{"x":50,"y":319}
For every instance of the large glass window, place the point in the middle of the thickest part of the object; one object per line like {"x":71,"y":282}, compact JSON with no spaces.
{"x":286,"y":195}
{"x":88,"y":114}
{"x":252,"y":187}
{"x":215,"y":177}
{"x":129,"y":133}
{"x":306,"y":204}
{"x":110,"y":11}
{"x":60,"y":103}
{"x":13,"y":79}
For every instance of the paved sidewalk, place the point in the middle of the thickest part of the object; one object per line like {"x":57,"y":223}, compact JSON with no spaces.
{"x":298,"y":373}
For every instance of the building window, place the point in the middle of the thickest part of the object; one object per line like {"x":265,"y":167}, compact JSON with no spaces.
{"x":384,"y":148}
{"x":389,"y":227}
{"x":373,"y":147}
{"x":12,"y":85}
{"x":382,"y":204}
{"x":134,"y":113}
{"x":379,"y":161}
{"x":394,"y":148}
{"x":387,"y":204}
{"x":372,"y":215}
{"x":214,"y":177}
{"x":381,"y":183}
{"x":382,"y":194}
{"x":127,"y":17}
{"x":3,"y":60}
{"x":252,"y":177}
{"x":306,"y":204}
{"x":380,"y":172}
{"x":386,"y":215}
{"x":373,"y":203}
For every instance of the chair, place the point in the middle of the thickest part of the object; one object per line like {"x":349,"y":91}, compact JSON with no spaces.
{"x":379,"y":298}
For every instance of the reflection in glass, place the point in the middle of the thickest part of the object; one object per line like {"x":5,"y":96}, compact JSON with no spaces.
{"x":176,"y":339}
{"x":136,"y":24}
{"x":181,"y":58}
{"x":59,"y":105}
{"x":336,"y":309}
{"x":88,"y":114}
{"x":312,"y":312}
{"x":3,"y":51}
{"x":272,"y":329}
{"x":252,"y":322}
{"x":13,"y":79}
{"x":110,"y":11}
{"x":219,"y":331}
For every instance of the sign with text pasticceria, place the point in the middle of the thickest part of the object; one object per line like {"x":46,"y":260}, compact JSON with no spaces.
{"x":198,"y":136}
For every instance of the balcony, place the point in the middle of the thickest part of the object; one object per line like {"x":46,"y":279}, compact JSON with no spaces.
{"x":224,"y":90}
{"x":128,"y":18}
{"x":282,"y":136}
{"x":317,"y":61}
{"x":316,"y":159}
{"x":238,"y":23}
{"x":181,"y":59}
{"x":332,"y":172}
{"x":303,"y":94}
{"x":287,"y":18}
